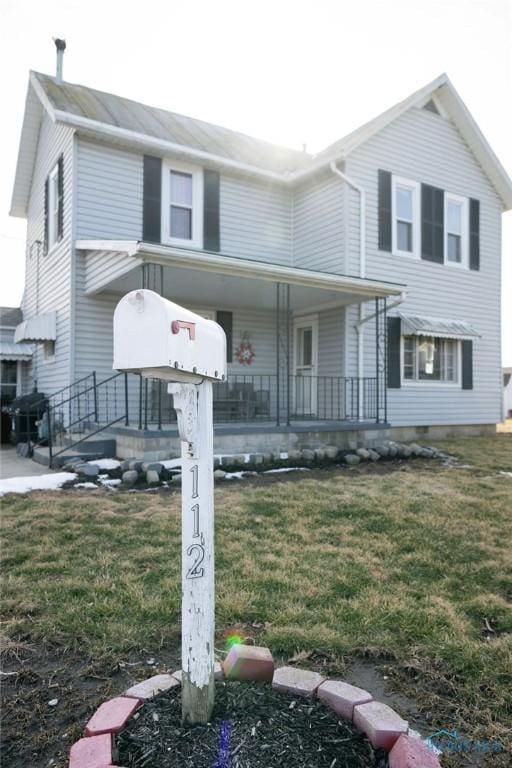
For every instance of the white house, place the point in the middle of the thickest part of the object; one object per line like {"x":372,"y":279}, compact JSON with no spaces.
{"x":359,"y":288}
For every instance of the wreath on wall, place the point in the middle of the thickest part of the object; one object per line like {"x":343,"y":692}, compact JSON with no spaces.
{"x":245,"y":353}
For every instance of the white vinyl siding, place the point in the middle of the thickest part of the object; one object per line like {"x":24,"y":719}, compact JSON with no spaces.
{"x":428,"y":148}
{"x":48,"y":277}
{"x":109,"y":193}
{"x":255,"y":220}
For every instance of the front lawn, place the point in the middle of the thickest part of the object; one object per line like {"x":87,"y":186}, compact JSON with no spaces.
{"x":408,"y":570}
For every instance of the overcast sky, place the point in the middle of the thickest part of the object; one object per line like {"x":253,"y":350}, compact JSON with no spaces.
{"x":290,"y":72}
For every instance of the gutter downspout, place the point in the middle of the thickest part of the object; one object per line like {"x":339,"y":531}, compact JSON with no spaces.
{"x":362,"y":273}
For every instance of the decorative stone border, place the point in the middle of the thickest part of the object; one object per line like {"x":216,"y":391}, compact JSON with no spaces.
{"x":383,"y":727}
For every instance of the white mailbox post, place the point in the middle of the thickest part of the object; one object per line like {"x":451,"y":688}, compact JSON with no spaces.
{"x":161,"y":340}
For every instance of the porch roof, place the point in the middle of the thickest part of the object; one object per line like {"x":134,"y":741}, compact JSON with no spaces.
{"x":109,"y":264}
{"x":11,"y":351}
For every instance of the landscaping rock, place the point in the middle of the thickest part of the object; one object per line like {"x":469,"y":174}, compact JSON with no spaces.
{"x":296,"y":681}
{"x":249,"y":662}
{"x":256,"y":458}
{"x":416,"y":449}
{"x":125,"y":465}
{"x":352,"y":459}
{"x":393,"y":450}
{"x":112,"y":716}
{"x":219,"y":474}
{"x":294,"y":454}
{"x":152,"y":477}
{"x":319,"y":454}
{"x":130,"y":477}
{"x":382,"y":450}
{"x":308,"y":454}
{"x":374,"y":456}
{"x":381,"y":724}
{"x":342,"y":697}
{"x":267,"y":458}
{"x":405,"y":452}
{"x":237,"y":460}
{"x":149,"y":688}
{"x":410,"y":752}
{"x":152,"y":466}
{"x":363,"y":453}
{"x":90,"y":470}
{"x":135,"y":465}
{"x":331,"y":451}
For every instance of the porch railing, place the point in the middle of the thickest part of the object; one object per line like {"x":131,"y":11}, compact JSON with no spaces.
{"x":253,"y":398}
{"x":77,"y":413}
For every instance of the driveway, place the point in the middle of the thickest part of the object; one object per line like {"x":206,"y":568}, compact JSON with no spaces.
{"x":12,"y":465}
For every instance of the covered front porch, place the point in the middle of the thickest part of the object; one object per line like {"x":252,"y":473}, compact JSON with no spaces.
{"x":291,"y":352}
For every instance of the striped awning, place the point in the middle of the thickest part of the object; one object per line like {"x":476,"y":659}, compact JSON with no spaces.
{"x":11,"y":351}
{"x":418,"y":325}
{"x":37,"y":328}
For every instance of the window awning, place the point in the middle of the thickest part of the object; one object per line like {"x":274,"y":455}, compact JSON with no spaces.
{"x":37,"y":328}
{"x":11,"y":351}
{"x":417,"y":325}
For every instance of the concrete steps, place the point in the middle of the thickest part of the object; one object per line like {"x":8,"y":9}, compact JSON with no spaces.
{"x":88,"y":450}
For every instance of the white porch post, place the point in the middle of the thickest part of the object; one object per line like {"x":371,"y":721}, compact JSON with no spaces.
{"x":193,"y":404}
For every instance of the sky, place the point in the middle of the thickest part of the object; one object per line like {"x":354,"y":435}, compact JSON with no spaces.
{"x":300,"y":72}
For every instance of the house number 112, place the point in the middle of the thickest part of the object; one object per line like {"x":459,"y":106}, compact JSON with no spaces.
{"x":196,"y":571}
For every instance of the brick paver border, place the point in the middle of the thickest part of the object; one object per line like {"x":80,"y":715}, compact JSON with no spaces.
{"x":383,"y":726}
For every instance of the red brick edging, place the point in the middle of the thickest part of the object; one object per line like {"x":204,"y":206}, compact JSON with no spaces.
{"x":382,"y":726}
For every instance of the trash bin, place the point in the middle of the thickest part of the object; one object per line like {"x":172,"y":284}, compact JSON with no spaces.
{"x":27,"y":411}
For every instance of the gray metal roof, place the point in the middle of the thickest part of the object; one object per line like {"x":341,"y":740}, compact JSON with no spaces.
{"x":169,"y":126}
{"x":416,"y":325}
{"x":10,"y":317}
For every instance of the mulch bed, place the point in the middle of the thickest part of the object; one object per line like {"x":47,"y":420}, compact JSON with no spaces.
{"x":252,"y":727}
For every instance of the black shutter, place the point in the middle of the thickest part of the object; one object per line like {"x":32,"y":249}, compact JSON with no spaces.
{"x":211,"y":220}
{"x":46,"y":213}
{"x":432,"y":224}
{"x":467,"y":365}
{"x":394,"y":361}
{"x":152,"y":199}
{"x":384,"y":210}
{"x":474,"y":234}
{"x":60,"y":191}
{"x":225,"y":320}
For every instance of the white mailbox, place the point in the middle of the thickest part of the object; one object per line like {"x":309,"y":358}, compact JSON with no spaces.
{"x":162,"y":340}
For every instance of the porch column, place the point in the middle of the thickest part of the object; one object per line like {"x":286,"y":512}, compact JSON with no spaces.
{"x":381,"y":361}
{"x":150,"y":395}
{"x":152,"y":278}
{"x":283,"y":398}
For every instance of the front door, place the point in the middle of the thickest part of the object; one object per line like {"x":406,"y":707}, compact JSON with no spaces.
{"x":305,"y":382}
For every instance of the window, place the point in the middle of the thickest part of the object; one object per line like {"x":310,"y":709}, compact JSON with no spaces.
{"x":182,"y":204}
{"x":49,"y":351}
{"x":427,"y":358}
{"x":456,"y":230}
{"x":405,"y":216}
{"x":8,"y":381}
{"x":53,"y":207}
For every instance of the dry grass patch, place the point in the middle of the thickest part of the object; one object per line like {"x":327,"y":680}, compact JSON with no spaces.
{"x":415,"y":564}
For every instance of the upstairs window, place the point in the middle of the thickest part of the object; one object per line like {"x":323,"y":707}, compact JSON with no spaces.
{"x":456,"y":230}
{"x":54,"y":205}
{"x":427,"y":358}
{"x":405,"y":216}
{"x":182,"y":191}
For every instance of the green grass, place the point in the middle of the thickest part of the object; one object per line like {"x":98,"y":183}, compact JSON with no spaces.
{"x":409,"y":564}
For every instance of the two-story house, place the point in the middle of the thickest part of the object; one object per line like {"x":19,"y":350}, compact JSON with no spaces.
{"x":359,"y":288}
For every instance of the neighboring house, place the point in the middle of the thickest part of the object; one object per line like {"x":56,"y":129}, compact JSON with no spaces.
{"x":507,"y":393}
{"x":14,"y":368}
{"x":359,"y":288}
{"x":15,"y":359}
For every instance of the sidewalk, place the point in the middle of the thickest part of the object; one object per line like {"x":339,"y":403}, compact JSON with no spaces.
{"x":12,"y":465}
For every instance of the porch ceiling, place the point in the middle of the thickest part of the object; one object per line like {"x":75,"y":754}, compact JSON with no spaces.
{"x":210,"y":280}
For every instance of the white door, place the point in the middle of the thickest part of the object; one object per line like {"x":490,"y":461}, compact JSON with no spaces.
{"x":305,"y":383}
